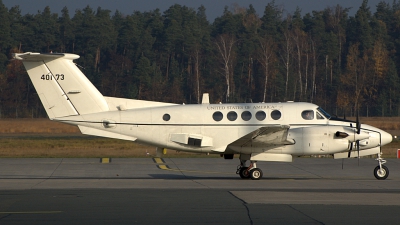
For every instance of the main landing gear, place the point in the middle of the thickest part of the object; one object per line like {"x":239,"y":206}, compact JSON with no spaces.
{"x":249,"y":172}
{"x":381,"y":172}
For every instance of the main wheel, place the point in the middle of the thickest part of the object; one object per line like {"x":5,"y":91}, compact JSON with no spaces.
{"x":243,"y":173}
{"x":256,"y":174}
{"x":381,"y":174}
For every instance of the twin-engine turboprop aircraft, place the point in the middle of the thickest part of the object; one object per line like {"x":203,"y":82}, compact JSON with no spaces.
{"x":255,"y":131}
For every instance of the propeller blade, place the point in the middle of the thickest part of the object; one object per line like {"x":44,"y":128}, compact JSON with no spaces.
{"x":351,"y":148}
{"x":358,"y":151}
{"x":358,"y":125}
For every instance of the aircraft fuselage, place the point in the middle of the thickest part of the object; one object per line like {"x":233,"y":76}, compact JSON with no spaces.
{"x":211,"y":128}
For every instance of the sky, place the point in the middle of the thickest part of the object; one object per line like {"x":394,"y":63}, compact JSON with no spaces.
{"x":214,"y":8}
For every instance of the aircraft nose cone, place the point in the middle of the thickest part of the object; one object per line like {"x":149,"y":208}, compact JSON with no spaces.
{"x":386,"y":138}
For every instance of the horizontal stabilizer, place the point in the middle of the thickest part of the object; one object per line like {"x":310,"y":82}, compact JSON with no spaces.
{"x":34,"y":56}
{"x":124,"y":103}
{"x":102,"y":133}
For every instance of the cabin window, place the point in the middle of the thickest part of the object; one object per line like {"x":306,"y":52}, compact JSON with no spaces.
{"x":246,"y":115}
{"x":166,"y":117}
{"x":232,"y":116}
{"x":276,"y":114}
{"x":308,"y":114}
{"x":218,"y":116}
{"x":260,"y":115}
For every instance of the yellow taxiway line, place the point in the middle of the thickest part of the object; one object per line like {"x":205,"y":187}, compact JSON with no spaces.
{"x":161,"y":164}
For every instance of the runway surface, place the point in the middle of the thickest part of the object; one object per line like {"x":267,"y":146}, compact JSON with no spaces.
{"x":196,"y":191}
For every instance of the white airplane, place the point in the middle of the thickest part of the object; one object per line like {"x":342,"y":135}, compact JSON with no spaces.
{"x":255,"y":131}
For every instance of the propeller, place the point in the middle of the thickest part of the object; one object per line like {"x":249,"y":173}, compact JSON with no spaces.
{"x":358,"y":152}
{"x":358,"y":125}
{"x":351,"y":148}
{"x":358,"y":131}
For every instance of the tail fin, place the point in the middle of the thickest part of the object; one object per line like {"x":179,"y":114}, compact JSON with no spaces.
{"x":63,"y":89}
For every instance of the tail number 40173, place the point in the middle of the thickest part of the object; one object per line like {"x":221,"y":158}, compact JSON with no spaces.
{"x":51,"y":77}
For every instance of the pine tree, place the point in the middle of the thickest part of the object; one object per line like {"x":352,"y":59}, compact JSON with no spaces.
{"x":5,"y":34}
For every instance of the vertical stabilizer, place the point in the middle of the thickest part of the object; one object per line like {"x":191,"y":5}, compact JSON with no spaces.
{"x":63,"y":89}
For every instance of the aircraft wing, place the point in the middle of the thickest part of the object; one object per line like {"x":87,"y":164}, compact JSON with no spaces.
{"x":265,"y":136}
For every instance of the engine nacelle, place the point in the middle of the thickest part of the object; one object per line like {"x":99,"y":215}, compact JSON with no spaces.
{"x":324,"y":140}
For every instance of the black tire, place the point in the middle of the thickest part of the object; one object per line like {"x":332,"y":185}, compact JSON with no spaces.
{"x":243,"y":173}
{"x":256,"y":174}
{"x":381,"y":174}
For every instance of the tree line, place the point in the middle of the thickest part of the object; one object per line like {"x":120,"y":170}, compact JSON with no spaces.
{"x":343,"y":63}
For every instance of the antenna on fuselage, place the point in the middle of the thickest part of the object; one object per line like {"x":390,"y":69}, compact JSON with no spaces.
{"x":205,"y":99}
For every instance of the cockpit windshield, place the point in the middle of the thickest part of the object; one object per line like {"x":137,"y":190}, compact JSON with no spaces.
{"x":324,"y":113}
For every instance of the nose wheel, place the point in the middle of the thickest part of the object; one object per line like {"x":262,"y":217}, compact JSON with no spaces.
{"x":381,"y":172}
{"x":251,"y":172}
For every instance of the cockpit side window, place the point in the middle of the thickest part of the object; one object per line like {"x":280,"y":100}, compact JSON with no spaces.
{"x":325,"y":114}
{"x":308,"y":114}
{"x":319,"y":116}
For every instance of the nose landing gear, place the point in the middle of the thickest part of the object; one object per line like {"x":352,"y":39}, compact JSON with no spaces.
{"x":381,"y":172}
